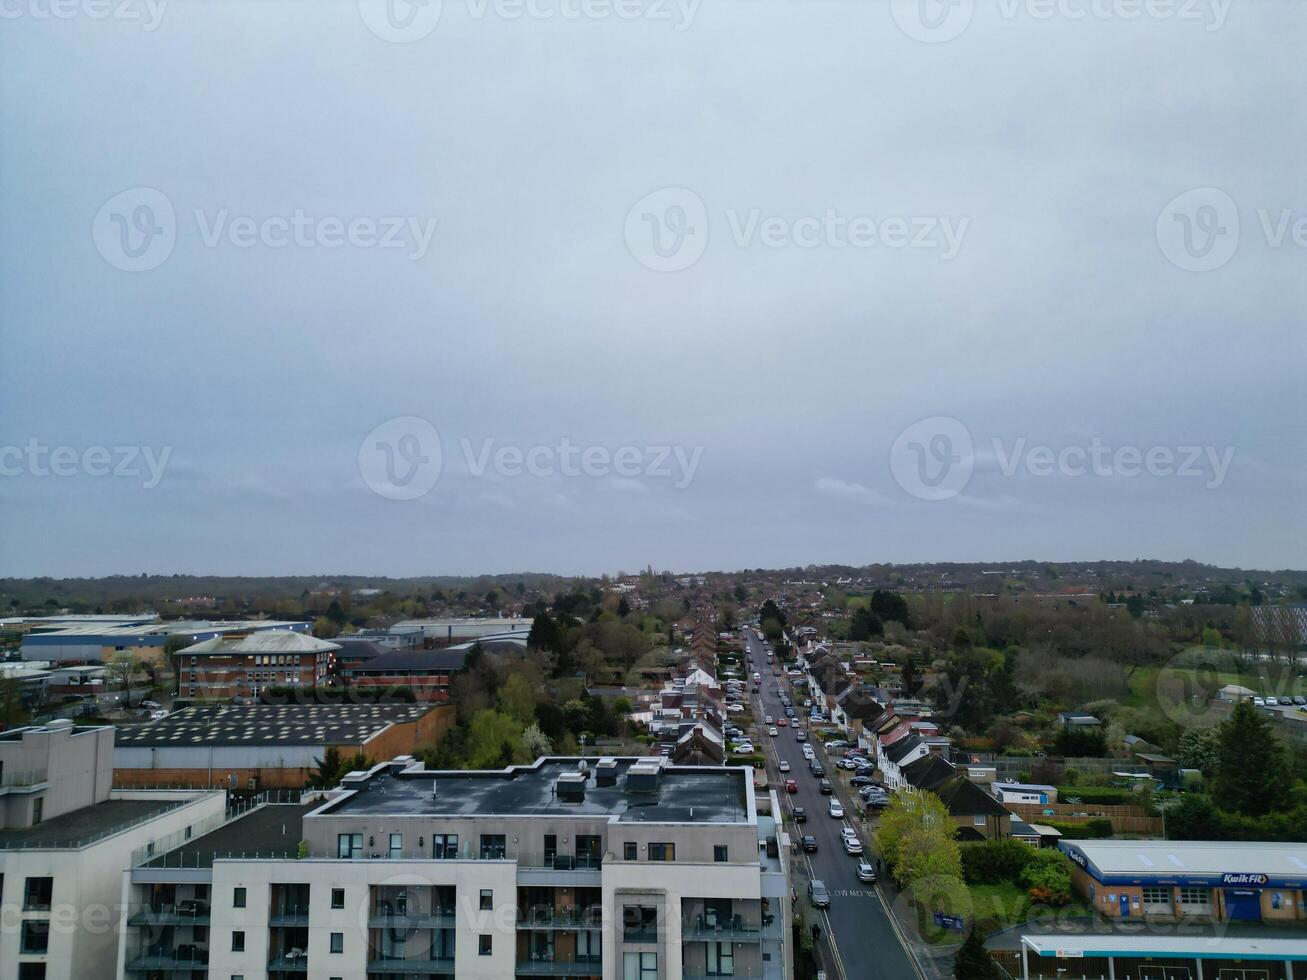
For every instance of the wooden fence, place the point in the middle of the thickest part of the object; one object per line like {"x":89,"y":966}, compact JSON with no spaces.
{"x":1125,"y":819}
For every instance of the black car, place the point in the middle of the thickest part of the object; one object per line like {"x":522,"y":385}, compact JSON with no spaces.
{"x":825,"y":787}
{"x":817,"y":770}
{"x":800,"y":815}
{"x":810,"y":843}
{"x":862,"y":781}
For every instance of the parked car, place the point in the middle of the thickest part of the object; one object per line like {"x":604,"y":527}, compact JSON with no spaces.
{"x":824,"y":787}
{"x":861,"y":780}
{"x":807,"y":702}
{"x":791,"y":786}
{"x":1299,"y":699}
{"x":835,"y":809}
{"x":852,"y":846}
{"x":785,"y":766}
{"x":1272,"y":700}
{"x":866,"y":872}
{"x":150,"y":704}
{"x":809,"y":843}
{"x":816,"y":769}
{"x":1259,"y":702}
{"x":800,"y":736}
{"x":837,"y":743}
{"x":735,"y":709}
{"x":800,"y":814}
{"x":818,"y":894}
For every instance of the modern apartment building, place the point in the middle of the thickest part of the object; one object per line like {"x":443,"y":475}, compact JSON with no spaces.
{"x":65,"y":840}
{"x":627,"y":869}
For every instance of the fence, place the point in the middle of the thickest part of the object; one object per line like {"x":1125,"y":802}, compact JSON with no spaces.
{"x":1125,"y":819}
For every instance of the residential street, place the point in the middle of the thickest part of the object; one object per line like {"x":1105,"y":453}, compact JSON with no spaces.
{"x":865,"y":940}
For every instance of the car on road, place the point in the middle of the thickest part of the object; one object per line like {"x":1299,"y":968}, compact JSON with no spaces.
{"x":735,"y":709}
{"x":848,"y":833}
{"x":824,"y":787}
{"x":773,"y":731}
{"x":866,"y":872}
{"x":150,"y":704}
{"x":818,"y":894}
{"x":816,"y":768}
{"x":783,"y":722}
{"x":800,"y":736}
{"x":862,"y":781}
{"x":791,"y":786}
{"x":853,"y":846}
{"x":785,"y":766}
{"x":835,"y":809}
{"x":808,"y":753}
{"x":776,"y":673}
{"x":809,"y":844}
{"x":771,"y":720}
{"x":800,"y":814}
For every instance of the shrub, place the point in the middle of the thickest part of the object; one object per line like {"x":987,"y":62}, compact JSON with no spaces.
{"x":1047,"y":876}
{"x":995,"y":861}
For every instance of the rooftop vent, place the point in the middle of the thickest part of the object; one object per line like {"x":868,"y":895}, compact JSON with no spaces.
{"x":643,"y":776}
{"x":606,"y":772}
{"x":571,"y":787}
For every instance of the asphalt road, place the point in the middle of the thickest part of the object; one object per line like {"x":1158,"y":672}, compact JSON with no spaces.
{"x":865,"y":940}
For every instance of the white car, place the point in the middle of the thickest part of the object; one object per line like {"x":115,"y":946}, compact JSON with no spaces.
{"x":1259,"y":702}
{"x":158,"y":714}
{"x":770,"y":719}
{"x":1273,"y":700}
{"x":785,"y":766}
{"x":848,"y":833}
{"x":808,"y":753}
{"x":772,"y":731}
{"x":735,"y":709}
{"x":742,"y":747}
{"x":866,"y":872}
{"x":852,"y":845}
{"x":836,"y":810}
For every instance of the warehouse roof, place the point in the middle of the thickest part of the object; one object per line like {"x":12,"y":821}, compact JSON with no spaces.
{"x":263,"y":641}
{"x":1153,"y":857}
{"x":1192,"y":947}
{"x":270,"y":724}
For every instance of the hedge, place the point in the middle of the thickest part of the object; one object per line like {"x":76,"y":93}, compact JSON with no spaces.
{"x":1105,"y":795}
{"x":1093,"y":829}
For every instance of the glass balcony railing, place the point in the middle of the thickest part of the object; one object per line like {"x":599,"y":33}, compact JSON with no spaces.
{"x":546,"y":918}
{"x":442,"y":918}
{"x":293,"y":960}
{"x":195,"y":913}
{"x":396,"y":965}
{"x":728,"y":929}
{"x":181,"y":957}
{"x":589,"y":965}
{"x":288,"y":915}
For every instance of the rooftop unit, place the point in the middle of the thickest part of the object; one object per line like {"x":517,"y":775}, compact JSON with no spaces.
{"x":644,"y":776}
{"x":570,"y":787}
{"x":606,"y":772}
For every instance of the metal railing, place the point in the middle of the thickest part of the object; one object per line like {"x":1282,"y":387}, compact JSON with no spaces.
{"x":444,"y":918}
{"x":76,"y":843}
{"x":733,"y":930}
{"x":173,"y":914}
{"x":396,"y":965}
{"x":542,"y":918}
{"x":550,"y":966}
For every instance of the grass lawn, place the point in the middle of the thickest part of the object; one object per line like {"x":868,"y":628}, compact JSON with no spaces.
{"x":1007,"y":904}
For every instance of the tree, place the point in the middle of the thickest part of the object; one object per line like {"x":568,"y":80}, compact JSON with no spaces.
{"x":973,"y":961}
{"x":535,"y":742}
{"x":1199,"y":748}
{"x":121,"y":668}
{"x":865,"y":624}
{"x":916,"y":838}
{"x":1047,"y":875}
{"x":1193,"y":817}
{"x":1252,"y":770}
{"x":770,"y":610}
{"x":912,"y":679}
{"x":518,"y":700}
{"x":623,"y":607}
{"x":545,"y":634}
{"x":890,"y":606}
{"x":494,"y":740}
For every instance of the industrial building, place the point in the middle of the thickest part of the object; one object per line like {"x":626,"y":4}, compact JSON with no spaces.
{"x":1165,"y":957}
{"x":65,"y":838}
{"x":61,"y":641}
{"x":268,"y":746}
{"x":447,"y":632}
{"x":240,"y":664}
{"x":607,"y":868}
{"x":1218,"y":880}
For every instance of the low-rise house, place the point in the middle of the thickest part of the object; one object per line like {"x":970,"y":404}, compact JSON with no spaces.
{"x":1037,"y":793}
{"x":1077,"y":720}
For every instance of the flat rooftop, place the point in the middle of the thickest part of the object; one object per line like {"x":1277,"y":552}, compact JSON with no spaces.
{"x":270,"y":831}
{"x":1216,"y":858}
{"x":685,"y":794}
{"x":270,"y":724}
{"x":1190,"y":947}
{"x":84,"y":826}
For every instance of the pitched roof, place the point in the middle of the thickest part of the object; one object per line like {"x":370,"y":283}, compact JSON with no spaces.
{"x":928,"y":772}
{"x":263,"y":641}
{"x":902,"y":748}
{"x":965,"y":799}
{"x":406,"y":661}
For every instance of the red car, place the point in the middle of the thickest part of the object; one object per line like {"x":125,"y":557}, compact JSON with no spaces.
{"x":781,"y":722}
{"x":791,"y":786}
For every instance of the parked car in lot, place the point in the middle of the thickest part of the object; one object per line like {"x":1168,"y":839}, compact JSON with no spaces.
{"x":862,"y":781}
{"x":800,"y":814}
{"x":818,"y":894}
{"x":791,"y":786}
{"x":824,"y":787}
{"x":809,"y":843}
{"x":1299,"y":699}
{"x":837,"y":743}
{"x":1272,"y":701}
{"x":1259,"y":702}
{"x":866,"y":872}
{"x":785,"y":766}
{"x":836,"y":810}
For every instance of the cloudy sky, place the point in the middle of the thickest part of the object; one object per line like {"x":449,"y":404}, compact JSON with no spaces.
{"x":498,"y":285}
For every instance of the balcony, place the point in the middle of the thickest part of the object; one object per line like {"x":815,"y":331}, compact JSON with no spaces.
{"x":563,"y":870}
{"x":293,"y":960}
{"x":434,"y":919}
{"x":165,"y":958}
{"x":751,"y":973}
{"x":562,"y":967}
{"x":732,"y":929}
{"x":646,"y":935}
{"x":184,"y":914}
{"x":570,"y":920}
{"x":407,"y":966}
{"x":289,"y":915}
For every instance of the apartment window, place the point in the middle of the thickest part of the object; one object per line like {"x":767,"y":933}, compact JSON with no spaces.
{"x":349,"y":846}
{"x":551,"y":849}
{"x":662,"y":852}
{"x":338,"y":942}
{"x":721,"y":960}
{"x":338,"y":898}
{"x":36,"y":894}
{"x":238,"y":941}
{"x":640,"y":966}
{"x":238,"y":976}
{"x":493,"y":846}
{"x":444,"y":847}
{"x":31,"y":971}
{"x":631,"y":851}
{"x":396,"y":845}
{"x":36,"y":936}
{"x":200,"y":934}
{"x":589,"y":848}
{"x":487,"y":899}
{"x":485,"y":944}
{"x":238,"y":898}
{"x":639,"y":923}
{"x":719,"y":853}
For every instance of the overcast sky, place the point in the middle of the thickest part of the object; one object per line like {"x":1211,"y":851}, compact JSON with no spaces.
{"x":442,"y":289}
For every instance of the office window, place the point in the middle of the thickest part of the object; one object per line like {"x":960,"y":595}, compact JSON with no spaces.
{"x":721,"y":960}
{"x":640,"y":966}
{"x":36,"y":936}
{"x":238,"y":941}
{"x":485,"y":944}
{"x":631,"y":851}
{"x":719,"y":853}
{"x":36,"y":894}
{"x":662,"y":852}
{"x":349,"y":846}
{"x":493,"y":846}
{"x":238,"y":898}
{"x":338,"y":942}
{"x":444,"y":847}
{"x":487,"y":899}
{"x":338,"y":898}
{"x":396,"y":845}
{"x":31,"y":971}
